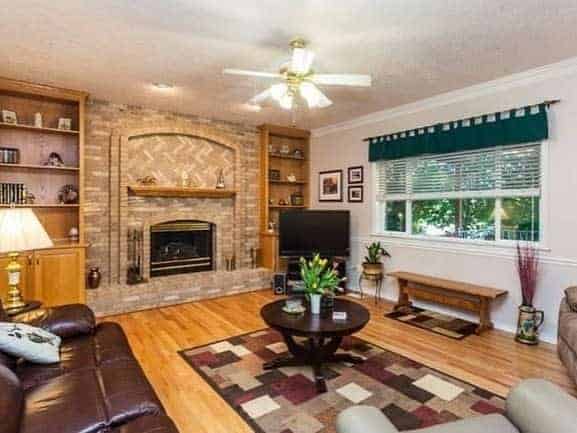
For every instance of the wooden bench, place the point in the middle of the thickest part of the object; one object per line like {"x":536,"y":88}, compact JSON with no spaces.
{"x":457,"y":294}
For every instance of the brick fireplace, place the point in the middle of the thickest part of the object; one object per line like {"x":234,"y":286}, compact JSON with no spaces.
{"x":125,"y":144}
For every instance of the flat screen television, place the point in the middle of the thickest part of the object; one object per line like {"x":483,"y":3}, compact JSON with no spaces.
{"x":304,"y":232}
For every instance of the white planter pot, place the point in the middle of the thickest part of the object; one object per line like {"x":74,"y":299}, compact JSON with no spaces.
{"x":315,"y":303}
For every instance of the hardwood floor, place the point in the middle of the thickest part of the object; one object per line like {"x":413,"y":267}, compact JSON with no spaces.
{"x":492,"y":361}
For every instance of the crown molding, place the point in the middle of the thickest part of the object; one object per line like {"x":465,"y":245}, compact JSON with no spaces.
{"x":554,"y":70}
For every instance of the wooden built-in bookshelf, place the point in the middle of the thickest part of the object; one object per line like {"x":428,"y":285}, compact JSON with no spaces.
{"x":56,"y":275}
{"x":286,"y":151}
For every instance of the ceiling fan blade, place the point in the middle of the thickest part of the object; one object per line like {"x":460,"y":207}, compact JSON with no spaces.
{"x":251,"y":73}
{"x":342,"y":80}
{"x":260,"y":97}
{"x":301,"y":60}
{"x":313,"y":96}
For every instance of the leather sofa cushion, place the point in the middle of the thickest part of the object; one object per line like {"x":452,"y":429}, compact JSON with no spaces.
{"x":71,"y":403}
{"x":11,"y":401}
{"x":65,"y":321}
{"x":568,"y":326}
{"x":127,"y":392}
{"x":90,"y":400}
{"x":108,"y":344}
{"x":147,"y":424}
{"x":571,"y":297}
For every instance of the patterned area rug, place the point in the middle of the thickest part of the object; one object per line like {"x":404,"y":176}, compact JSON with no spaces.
{"x":434,"y":322}
{"x":285,"y":400}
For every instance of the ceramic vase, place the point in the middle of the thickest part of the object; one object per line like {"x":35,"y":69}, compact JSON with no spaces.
{"x":530,"y":319}
{"x":315,"y":301}
{"x":94,"y":277}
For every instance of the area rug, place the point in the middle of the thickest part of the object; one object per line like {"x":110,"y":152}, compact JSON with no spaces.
{"x":435,"y":322}
{"x":285,"y":400}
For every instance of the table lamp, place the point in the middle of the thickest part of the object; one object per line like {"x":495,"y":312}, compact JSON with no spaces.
{"x":20,"y":230}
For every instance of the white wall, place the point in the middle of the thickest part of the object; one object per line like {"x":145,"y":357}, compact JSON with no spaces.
{"x":341,"y":146}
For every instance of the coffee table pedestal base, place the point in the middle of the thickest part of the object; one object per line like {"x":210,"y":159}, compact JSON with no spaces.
{"x":315,"y":352}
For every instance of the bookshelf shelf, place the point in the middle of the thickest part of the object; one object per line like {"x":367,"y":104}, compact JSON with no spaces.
{"x":37,"y":167}
{"x":34,"y":128}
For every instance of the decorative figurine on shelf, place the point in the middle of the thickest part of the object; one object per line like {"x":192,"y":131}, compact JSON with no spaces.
{"x":54,"y":160}
{"x":270,"y":201}
{"x":29,"y":198}
{"x":271,"y":226}
{"x":220,"y":180}
{"x":285,"y":149}
{"x":282,"y":202}
{"x":271,"y":149}
{"x":297,"y":153}
{"x":9,"y":117}
{"x":65,"y":123}
{"x":73,"y":234}
{"x":38,"y":120}
{"x":68,"y":194}
{"x":291,"y":178}
{"x":184,"y":179}
{"x":146,"y":180}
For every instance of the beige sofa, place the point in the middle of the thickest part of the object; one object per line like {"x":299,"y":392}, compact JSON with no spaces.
{"x":533,"y":406}
{"x":567,"y":339}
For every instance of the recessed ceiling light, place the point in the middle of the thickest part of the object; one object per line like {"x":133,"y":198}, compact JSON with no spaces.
{"x":163,"y":86}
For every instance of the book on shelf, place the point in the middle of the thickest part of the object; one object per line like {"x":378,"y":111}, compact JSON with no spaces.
{"x":9,"y":155}
{"x":13,"y":193}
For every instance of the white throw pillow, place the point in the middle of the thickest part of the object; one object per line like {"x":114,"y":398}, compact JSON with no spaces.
{"x":28,"y":342}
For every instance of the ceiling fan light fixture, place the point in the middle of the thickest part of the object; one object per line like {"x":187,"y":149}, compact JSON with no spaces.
{"x":314,"y":97}
{"x":286,"y":102}
{"x":301,"y":61}
{"x":278,"y":91}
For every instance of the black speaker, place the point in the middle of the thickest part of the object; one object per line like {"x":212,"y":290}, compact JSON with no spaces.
{"x":279,"y":284}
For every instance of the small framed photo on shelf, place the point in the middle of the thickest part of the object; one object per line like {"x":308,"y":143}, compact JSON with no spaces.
{"x":9,"y":117}
{"x":355,"y":175}
{"x":331,"y":185}
{"x":65,"y":123}
{"x":274,"y":174}
{"x":355,"y":194}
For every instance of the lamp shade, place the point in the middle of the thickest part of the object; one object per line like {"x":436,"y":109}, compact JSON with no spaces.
{"x":20,"y":230}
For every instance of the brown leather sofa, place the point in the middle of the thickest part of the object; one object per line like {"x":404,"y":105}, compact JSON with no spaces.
{"x":98,"y":386}
{"x":567,"y":338}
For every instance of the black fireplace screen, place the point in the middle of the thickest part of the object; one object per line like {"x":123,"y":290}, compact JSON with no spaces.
{"x":178,"y":247}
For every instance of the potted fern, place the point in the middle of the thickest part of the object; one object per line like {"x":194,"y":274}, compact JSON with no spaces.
{"x":319,"y":279}
{"x":372,"y":264}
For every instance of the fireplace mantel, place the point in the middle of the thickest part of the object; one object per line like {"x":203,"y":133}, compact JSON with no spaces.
{"x":176,"y":191}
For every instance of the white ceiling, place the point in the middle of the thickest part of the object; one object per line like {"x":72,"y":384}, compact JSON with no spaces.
{"x":414,"y":49}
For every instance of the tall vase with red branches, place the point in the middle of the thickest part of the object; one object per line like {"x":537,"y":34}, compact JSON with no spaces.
{"x":530,"y":319}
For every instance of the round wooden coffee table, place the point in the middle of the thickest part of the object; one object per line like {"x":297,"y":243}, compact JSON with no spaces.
{"x":323,"y":334}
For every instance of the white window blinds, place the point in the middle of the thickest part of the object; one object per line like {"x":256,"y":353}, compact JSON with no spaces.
{"x":503,"y":171}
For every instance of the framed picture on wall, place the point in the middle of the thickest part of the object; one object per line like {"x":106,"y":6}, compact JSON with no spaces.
{"x":355,"y":175}
{"x":331,"y":185}
{"x":355,"y":194}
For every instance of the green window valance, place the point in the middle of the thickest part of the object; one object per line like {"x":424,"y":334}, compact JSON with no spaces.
{"x":523,"y":125}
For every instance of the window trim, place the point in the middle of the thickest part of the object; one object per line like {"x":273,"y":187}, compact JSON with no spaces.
{"x":378,"y":209}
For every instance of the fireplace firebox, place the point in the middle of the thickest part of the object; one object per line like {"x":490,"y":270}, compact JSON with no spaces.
{"x":183,"y":246}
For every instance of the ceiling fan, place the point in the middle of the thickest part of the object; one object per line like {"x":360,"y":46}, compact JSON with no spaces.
{"x":298,"y":78}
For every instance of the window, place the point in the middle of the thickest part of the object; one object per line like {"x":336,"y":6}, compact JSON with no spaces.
{"x":490,"y":194}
